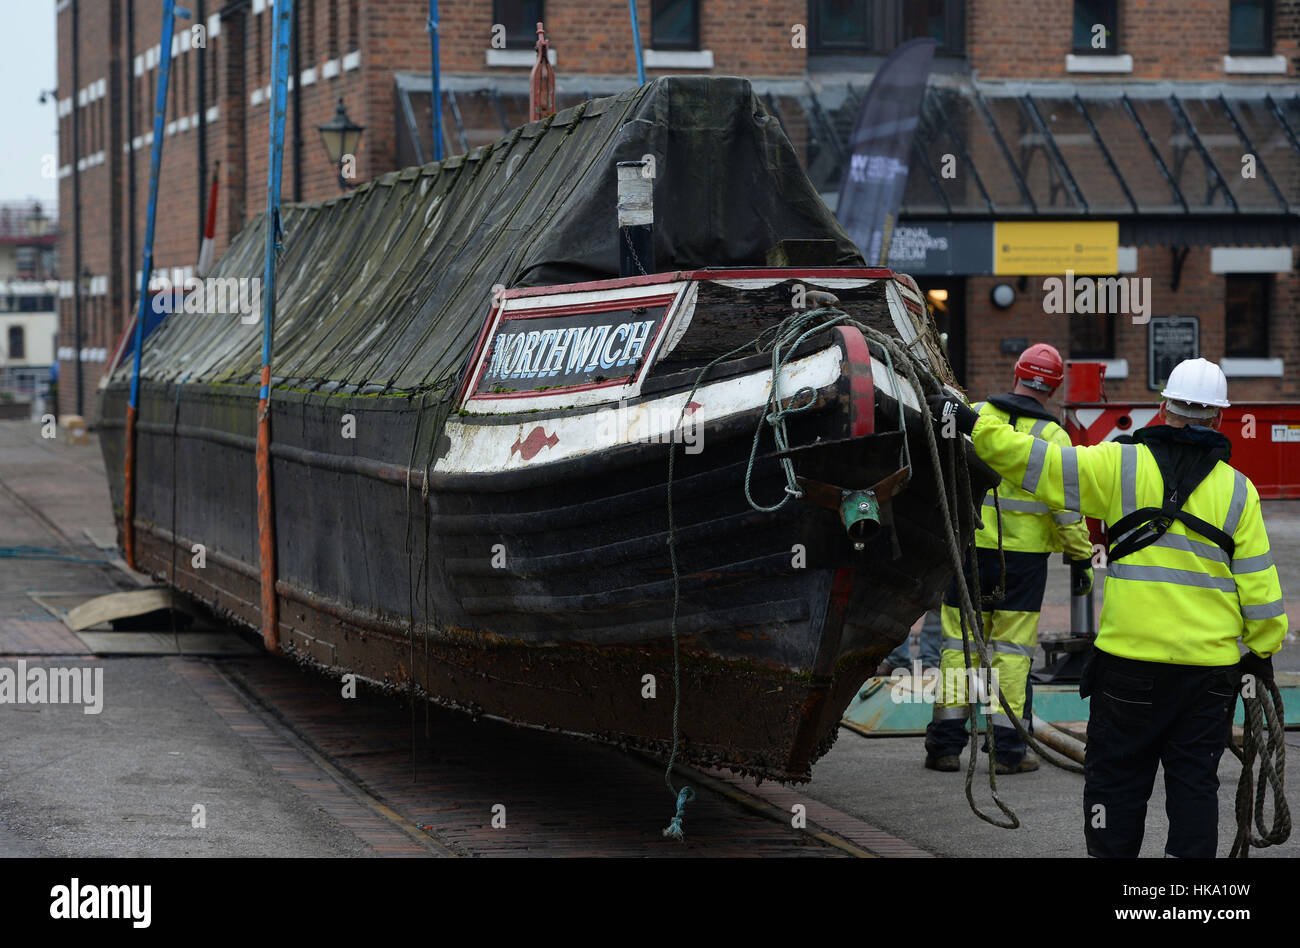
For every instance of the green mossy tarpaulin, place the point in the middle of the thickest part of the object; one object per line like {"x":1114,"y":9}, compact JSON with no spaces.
{"x":385,"y":291}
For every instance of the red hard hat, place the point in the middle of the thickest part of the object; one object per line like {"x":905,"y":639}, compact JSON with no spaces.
{"x":1040,"y":367}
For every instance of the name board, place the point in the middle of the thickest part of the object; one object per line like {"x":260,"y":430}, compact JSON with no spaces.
{"x":1044,"y":248}
{"x":941,"y":247}
{"x":551,"y":351}
{"x":1170,"y":340}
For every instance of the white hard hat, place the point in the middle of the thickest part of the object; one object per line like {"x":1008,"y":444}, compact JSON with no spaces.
{"x":1197,"y":382}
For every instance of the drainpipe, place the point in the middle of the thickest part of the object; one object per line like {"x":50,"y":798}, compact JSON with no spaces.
{"x":201,"y":17}
{"x":130,"y":138}
{"x":295,"y":76}
{"x":76,"y":202}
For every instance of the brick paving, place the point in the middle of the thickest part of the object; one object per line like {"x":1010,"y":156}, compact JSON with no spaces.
{"x":562,"y":796}
{"x":298,"y":766}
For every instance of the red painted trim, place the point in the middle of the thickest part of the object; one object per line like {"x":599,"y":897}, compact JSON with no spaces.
{"x":471,"y":378}
{"x":723,"y":273}
{"x":569,"y":389}
{"x":862,"y":389}
{"x":595,"y":306}
{"x":603,"y":306}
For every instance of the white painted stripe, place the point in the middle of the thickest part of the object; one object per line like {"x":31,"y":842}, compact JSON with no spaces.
{"x":486,"y":448}
{"x":515,"y":57}
{"x":1122,"y":63}
{"x":1250,"y":259}
{"x":678,"y":58}
{"x":1252,"y":368}
{"x":1255,"y":65}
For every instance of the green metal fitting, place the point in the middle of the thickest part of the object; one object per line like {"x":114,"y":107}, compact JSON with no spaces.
{"x":860,"y":514}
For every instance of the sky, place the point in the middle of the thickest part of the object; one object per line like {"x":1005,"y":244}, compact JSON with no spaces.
{"x":28,"y":130}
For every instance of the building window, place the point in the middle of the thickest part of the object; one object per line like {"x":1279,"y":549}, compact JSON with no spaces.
{"x":675,"y":24}
{"x":354,"y":26}
{"x":1092,"y":337}
{"x":309,"y":39}
{"x":17,"y":347}
{"x":1250,"y":28}
{"x":332,"y":28}
{"x":520,"y":18}
{"x":1088,"y":16}
{"x":941,"y":20}
{"x":25,"y":260}
{"x":840,"y":25}
{"x":214,"y":70}
{"x":1245,"y":329}
{"x":877,"y":26}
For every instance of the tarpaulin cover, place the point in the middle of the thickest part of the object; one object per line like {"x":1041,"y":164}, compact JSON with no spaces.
{"x":384,"y":290}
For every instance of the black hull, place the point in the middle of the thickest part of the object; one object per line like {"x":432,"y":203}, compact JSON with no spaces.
{"x":543,"y":595}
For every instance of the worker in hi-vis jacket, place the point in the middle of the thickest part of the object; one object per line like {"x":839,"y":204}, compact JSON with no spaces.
{"x":1031,"y":531}
{"x":1189,"y":573}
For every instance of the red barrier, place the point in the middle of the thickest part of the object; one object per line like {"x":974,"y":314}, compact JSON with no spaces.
{"x":1265,"y":436}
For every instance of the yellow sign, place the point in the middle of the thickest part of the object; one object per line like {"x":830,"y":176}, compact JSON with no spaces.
{"x":1044,"y":248}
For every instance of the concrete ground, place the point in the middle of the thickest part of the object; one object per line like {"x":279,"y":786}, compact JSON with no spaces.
{"x":125,"y":782}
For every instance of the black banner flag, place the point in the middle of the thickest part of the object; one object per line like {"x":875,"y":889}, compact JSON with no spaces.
{"x":871,"y":190}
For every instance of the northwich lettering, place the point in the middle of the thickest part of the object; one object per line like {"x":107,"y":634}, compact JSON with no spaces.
{"x":571,"y":350}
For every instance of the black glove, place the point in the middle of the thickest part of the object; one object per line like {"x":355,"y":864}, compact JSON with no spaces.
{"x":1080,"y":577}
{"x":1252,"y":664}
{"x":943,"y":405}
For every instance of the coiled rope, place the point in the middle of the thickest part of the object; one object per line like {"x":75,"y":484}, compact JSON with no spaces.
{"x":1262,"y":729}
{"x":782,"y":340}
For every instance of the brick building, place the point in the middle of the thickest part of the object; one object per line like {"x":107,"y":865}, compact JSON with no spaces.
{"x":1131,"y":114}
{"x":28,"y":288}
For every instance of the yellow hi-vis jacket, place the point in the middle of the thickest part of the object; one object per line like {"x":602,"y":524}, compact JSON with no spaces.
{"x":1028,"y":524}
{"x":1179,"y":600}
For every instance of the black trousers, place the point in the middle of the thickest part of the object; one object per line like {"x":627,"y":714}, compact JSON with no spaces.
{"x":1145,"y":714}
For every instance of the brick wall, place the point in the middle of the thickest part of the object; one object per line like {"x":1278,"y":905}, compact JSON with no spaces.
{"x":1005,"y":39}
{"x":1200,"y":293}
{"x":1173,"y":39}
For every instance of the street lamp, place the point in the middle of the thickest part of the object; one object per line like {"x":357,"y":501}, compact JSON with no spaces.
{"x":340,"y":136}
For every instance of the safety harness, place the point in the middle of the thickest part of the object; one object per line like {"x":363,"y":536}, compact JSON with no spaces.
{"x":1185,"y":456}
